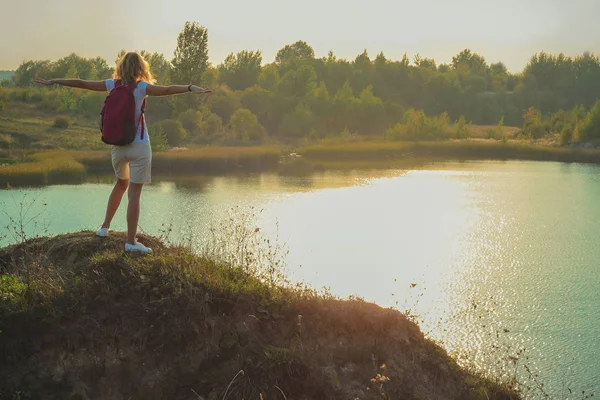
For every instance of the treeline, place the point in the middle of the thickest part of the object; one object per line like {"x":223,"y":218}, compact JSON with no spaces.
{"x":301,"y":96}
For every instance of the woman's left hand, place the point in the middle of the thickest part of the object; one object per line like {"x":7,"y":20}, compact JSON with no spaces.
{"x":200,"y":90}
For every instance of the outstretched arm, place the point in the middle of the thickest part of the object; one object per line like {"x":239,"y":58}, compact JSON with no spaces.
{"x":156,"y":90}
{"x":97,"y":86}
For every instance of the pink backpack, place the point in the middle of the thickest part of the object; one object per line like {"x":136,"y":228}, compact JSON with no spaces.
{"x":118,"y":124}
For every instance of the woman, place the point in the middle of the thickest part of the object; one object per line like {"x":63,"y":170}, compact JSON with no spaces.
{"x":132,"y":162}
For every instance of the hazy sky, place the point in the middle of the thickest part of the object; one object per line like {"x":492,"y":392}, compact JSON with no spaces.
{"x":502,"y":30}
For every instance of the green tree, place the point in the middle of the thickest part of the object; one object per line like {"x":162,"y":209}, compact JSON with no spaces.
{"x":259,"y":101}
{"x":101,"y":67}
{"x":269,"y":77}
{"x":297,"y":123}
{"x":298,"y":83}
{"x":211,"y":124}
{"x":245,"y":126}
{"x":29,"y":70}
{"x":191,"y":54}
{"x":321,"y":105}
{"x":336,"y":72}
{"x":344,"y":109}
{"x":444,"y":94}
{"x":240,"y":71}
{"x":191,"y":120}
{"x":72,"y":72}
{"x":172,"y":130}
{"x":299,"y":51}
{"x":470,"y":61}
{"x":425,"y":63}
{"x":160,"y":67}
{"x":210,"y":77}
{"x":372,"y":119}
{"x":224,"y":104}
{"x":73,"y":66}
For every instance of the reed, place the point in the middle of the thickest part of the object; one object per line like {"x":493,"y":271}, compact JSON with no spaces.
{"x":450,"y":149}
{"x":42,"y":169}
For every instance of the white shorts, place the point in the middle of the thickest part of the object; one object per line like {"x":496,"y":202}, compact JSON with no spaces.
{"x":133,"y":162}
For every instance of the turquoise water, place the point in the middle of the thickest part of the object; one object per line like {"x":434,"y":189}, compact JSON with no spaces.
{"x":504,"y":255}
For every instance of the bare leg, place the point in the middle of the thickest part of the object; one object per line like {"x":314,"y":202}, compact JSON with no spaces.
{"x":133,"y":210}
{"x":114,"y":201}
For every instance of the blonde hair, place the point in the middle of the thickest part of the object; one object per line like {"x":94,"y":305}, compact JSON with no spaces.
{"x":132,"y":67}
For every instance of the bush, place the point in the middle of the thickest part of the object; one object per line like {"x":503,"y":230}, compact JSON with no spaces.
{"x":416,"y":124}
{"x":36,"y":97}
{"x":297,"y":123}
{"x":159,"y":140}
{"x":534,"y":128}
{"x":559,"y":121}
{"x":91,"y":103}
{"x":590,"y":127}
{"x":566,"y":135}
{"x":397,"y":132}
{"x":62,"y":122}
{"x":490,"y":133}
{"x":172,"y":130}
{"x":50,"y":102}
{"x":439,"y":126}
{"x":462,"y":130}
{"x":224,"y":105}
{"x":67,"y":100}
{"x":245,"y":126}
{"x":211,"y":125}
{"x":191,"y":121}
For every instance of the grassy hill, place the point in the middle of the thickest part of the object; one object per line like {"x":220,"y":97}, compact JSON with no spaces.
{"x":81,"y":320}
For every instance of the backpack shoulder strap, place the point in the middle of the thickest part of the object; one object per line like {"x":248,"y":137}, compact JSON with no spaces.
{"x":143,"y":118}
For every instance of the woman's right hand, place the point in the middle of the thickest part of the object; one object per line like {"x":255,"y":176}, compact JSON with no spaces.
{"x":44,"y":81}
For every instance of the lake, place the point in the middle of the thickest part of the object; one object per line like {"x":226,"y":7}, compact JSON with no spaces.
{"x":495,"y":259}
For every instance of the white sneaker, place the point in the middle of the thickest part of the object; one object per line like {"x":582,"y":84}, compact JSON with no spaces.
{"x":137,"y":247}
{"x":102,"y":232}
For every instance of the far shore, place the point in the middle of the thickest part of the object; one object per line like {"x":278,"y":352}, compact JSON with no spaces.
{"x":56,"y":166}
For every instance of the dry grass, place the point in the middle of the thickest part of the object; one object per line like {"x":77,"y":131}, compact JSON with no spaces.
{"x":483,"y":131}
{"x":356,"y":150}
{"x":473,"y":149}
{"x":199,"y":160}
{"x":175,"y":325}
{"x":66,"y":166}
{"x":42,"y":169}
{"x":213,"y":159}
{"x":39,"y":133}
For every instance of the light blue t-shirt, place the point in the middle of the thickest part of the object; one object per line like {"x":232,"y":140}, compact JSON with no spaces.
{"x":140,"y":94}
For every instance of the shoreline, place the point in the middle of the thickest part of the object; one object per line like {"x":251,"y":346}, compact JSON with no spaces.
{"x":72,"y":167}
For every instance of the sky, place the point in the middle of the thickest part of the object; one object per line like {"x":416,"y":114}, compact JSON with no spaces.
{"x":510,"y":31}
